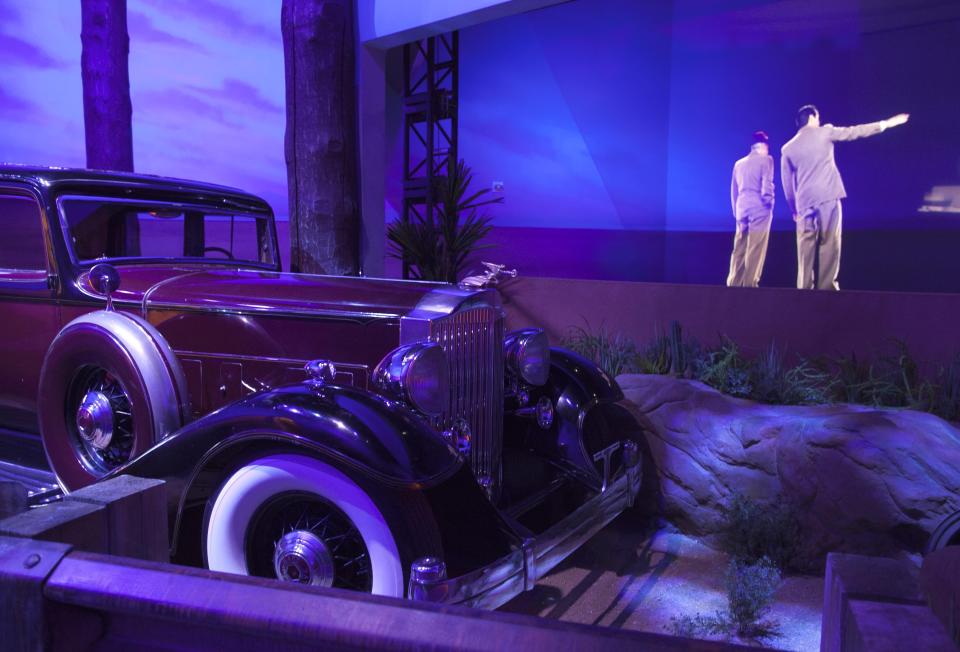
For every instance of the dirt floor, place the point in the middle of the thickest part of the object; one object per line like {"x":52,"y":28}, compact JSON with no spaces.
{"x":626,"y":578}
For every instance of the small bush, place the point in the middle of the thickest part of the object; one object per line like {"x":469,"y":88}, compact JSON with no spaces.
{"x":698,"y":626}
{"x":656,"y":357}
{"x":615,"y":354}
{"x":891,"y":380}
{"x":751,"y":588}
{"x":943,"y":397}
{"x":756,"y":531}
{"x":724,"y":369}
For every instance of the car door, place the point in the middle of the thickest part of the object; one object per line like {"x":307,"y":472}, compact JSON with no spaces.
{"x":29,"y":318}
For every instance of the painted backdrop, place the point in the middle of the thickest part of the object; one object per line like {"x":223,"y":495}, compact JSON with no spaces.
{"x":612,"y":124}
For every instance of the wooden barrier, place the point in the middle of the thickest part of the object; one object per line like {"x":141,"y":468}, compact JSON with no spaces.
{"x":122,"y":516}
{"x":940,"y":583}
{"x":874,"y":604}
{"x":67,"y":595}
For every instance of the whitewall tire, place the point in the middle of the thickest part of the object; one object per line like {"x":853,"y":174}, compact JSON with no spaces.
{"x":251,"y":490}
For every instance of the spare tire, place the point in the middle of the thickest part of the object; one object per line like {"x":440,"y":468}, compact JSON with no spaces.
{"x":110,"y":388}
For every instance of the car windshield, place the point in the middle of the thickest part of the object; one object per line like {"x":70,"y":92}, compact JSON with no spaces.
{"x":109,"y":229}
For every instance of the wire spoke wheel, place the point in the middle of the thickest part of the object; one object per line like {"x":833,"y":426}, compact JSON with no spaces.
{"x":301,"y":537}
{"x":99,"y":416}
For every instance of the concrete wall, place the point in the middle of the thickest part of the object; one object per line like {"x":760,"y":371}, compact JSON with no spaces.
{"x":805,"y":323}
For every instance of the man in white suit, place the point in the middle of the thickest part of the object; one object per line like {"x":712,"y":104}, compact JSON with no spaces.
{"x":751,"y":197}
{"x":814,"y":189}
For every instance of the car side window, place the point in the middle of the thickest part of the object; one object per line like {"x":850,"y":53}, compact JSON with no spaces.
{"x":22,"y":247}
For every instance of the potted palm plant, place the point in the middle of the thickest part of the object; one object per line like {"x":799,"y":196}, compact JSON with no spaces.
{"x":436,"y":247}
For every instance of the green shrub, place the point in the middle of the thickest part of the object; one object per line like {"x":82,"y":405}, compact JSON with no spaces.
{"x":943,"y":397}
{"x":751,"y":588}
{"x":891,"y":380}
{"x":724,"y":369}
{"x":615,"y":354}
{"x":698,"y":626}
{"x":754,"y":531}
{"x":656,"y":357}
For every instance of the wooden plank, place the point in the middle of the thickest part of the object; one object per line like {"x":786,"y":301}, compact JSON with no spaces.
{"x":152,"y":606}
{"x":940,"y":583}
{"x":82,"y":525}
{"x":136,"y":515}
{"x":24,"y":565}
{"x":13,"y":498}
{"x":851,"y":577}
{"x":890,"y":627}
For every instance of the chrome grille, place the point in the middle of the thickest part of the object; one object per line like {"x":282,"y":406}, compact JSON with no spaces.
{"x":473,"y":342}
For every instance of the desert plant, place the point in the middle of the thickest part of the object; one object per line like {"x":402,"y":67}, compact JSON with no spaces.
{"x":437,"y":246}
{"x":724,"y":369}
{"x":807,"y":384}
{"x":943,"y":397}
{"x":860,"y":382}
{"x":768,"y":375}
{"x":656,"y":356}
{"x":751,"y":588}
{"x":613,"y":353}
{"x":698,"y":626}
{"x":755,"y":531}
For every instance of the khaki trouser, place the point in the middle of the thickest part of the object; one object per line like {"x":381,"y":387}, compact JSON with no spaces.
{"x":749,"y":250}
{"x":818,"y":237}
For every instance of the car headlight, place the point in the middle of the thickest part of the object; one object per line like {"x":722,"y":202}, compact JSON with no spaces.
{"x":417,"y":374}
{"x":527,"y":354}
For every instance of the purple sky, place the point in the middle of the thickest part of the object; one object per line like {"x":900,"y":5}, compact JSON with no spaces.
{"x":206,"y":82}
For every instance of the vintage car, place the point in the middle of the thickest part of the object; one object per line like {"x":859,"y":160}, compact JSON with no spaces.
{"x":378,"y":435}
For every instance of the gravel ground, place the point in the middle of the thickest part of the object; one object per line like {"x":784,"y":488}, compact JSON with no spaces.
{"x":626,"y":578}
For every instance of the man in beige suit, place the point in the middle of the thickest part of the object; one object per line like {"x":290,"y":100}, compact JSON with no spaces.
{"x":751,"y":197}
{"x":814,"y":189}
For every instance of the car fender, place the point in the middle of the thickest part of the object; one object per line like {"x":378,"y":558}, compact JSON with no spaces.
{"x":381,"y":442}
{"x":576,"y":386}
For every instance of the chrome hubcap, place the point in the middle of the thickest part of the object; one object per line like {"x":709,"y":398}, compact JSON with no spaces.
{"x":95,"y":420}
{"x":302,"y":557}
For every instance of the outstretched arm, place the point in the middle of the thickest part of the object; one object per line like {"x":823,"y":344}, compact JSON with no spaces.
{"x":869,"y":129}
{"x":766,"y":187}
{"x":789,"y":184}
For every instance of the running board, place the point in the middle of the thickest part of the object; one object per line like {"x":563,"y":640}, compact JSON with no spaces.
{"x":41,"y":485}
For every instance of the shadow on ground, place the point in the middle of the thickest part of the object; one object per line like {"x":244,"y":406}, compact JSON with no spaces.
{"x":630,"y":577}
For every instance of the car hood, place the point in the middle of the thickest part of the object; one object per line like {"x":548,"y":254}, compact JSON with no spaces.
{"x":159,"y":287}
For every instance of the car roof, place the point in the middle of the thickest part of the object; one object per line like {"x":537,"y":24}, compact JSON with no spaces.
{"x":57,"y":176}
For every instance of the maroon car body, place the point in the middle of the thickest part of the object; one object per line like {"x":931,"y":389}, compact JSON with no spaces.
{"x":479,"y":497}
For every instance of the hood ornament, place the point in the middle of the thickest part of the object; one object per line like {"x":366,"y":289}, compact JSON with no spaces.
{"x":487,"y":279}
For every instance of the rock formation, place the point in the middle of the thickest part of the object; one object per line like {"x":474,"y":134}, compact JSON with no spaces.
{"x":864,"y":480}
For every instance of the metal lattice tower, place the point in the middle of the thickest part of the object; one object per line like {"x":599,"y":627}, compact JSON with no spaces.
{"x":430,"y":89}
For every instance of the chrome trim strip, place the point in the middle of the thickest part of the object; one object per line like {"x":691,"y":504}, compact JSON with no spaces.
{"x":265,"y":358}
{"x":267,"y":311}
{"x":145,"y":302}
{"x":493,"y":585}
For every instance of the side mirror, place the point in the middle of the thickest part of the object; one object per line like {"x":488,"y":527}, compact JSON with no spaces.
{"x":105,"y":279}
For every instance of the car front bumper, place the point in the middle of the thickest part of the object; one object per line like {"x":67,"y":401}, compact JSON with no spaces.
{"x":495,"y":584}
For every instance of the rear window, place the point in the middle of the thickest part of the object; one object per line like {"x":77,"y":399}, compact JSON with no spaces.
{"x":22,"y":246}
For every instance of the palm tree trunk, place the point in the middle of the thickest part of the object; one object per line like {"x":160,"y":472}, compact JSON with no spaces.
{"x":106,"y":84}
{"x":320,"y":143}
